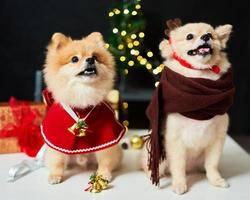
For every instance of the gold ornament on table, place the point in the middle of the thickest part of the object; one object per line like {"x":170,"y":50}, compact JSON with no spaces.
{"x":79,"y":128}
{"x":97,"y":183}
{"x":136,"y":142}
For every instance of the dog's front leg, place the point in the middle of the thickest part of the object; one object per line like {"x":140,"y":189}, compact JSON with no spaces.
{"x":55,"y":161}
{"x":212,"y":157}
{"x":108,"y":160}
{"x":213,"y":153}
{"x":176,"y":153}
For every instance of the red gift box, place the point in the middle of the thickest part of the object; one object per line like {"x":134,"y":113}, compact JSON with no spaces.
{"x":20,"y":126}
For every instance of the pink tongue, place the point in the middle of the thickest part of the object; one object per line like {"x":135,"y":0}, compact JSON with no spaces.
{"x":204,"y":50}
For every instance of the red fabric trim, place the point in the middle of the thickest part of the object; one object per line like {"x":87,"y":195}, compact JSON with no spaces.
{"x":103,"y":129}
{"x":47,"y":96}
{"x":170,"y":40}
{"x":82,"y":151}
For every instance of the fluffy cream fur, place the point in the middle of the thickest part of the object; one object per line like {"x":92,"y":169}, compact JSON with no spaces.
{"x":79,"y":91}
{"x":193,"y":144}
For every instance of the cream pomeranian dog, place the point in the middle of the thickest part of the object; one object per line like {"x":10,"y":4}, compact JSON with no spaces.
{"x":192,"y":144}
{"x":80,"y":74}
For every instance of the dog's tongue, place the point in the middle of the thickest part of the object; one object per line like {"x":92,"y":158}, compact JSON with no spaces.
{"x":203,"y":50}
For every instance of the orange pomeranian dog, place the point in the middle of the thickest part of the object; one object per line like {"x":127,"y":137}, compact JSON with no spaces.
{"x":79,"y":124}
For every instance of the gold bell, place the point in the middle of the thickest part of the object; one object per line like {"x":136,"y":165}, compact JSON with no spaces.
{"x":103,"y":183}
{"x":136,"y":142}
{"x":96,"y":188}
{"x":78,"y":129}
{"x":98,"y":183}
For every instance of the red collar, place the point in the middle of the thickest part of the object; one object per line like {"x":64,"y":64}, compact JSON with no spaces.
{"x":184,"y":63}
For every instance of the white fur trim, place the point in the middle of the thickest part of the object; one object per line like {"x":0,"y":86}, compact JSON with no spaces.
{"x":82,"y":150}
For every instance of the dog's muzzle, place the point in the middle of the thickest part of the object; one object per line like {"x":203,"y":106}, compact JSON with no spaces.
{"x":202,"y":50}
{"x":90,"y":69}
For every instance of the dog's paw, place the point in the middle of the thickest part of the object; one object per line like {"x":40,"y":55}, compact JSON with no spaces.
{"x":179,"y":187}
{"x":220,"y":182}
{"x":106,"y":175}
{"x":55,"y":179}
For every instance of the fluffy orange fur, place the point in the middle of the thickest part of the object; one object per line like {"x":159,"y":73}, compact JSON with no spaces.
{"x":61,"y":77}
{"x":61,"y":50}
{"x":60,"y":73}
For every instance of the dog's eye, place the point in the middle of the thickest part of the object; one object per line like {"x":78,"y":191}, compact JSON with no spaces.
{"x":190,"y":36}
{"x":96,"y":56}
{"x":210,"y":35}
{"x":74,"y":59}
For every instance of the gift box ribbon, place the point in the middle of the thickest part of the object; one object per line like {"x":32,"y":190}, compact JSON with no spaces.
{"x":25,"y":127}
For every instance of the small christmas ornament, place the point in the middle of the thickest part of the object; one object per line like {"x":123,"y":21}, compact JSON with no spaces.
{"x":79,"y":128}
{"x":136,"y":142}
{"x":97,"y":183}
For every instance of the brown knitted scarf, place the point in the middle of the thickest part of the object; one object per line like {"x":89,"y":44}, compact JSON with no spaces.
{"x":195,"y":98}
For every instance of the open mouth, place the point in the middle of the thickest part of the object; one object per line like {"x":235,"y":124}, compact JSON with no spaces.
{"x":202,"y":50}
{"x":90,"y":71}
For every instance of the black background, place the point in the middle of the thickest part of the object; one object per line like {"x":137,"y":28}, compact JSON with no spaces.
{"x":27,"y":25}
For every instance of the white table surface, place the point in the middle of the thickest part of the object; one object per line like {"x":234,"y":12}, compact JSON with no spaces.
{"x":129,"y":182}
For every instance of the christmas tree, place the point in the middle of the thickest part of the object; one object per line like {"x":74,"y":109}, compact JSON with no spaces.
{"x":126,"y":37}
{"x":126,"y":43}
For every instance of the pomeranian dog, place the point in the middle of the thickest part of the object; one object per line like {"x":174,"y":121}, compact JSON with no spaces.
{"x":79,"y":74}
{"x":193,"y":51}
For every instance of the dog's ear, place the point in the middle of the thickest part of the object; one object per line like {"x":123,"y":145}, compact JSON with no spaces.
{"x":171,"y":25}
{"x":58,"y":40}
{"x":165,"y":49}
{"x":97,"y":38}
{"x":223,"y":33}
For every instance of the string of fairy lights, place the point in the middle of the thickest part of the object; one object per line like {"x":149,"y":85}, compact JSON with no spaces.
{"x":132,"y":41}
{"x":127,"y":46}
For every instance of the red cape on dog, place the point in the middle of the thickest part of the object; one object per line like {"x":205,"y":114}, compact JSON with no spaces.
{"x":103,"y":129}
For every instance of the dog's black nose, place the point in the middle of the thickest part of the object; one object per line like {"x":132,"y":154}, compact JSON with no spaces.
{"x":206,"y":37}
{"x":90,"y":60}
